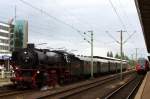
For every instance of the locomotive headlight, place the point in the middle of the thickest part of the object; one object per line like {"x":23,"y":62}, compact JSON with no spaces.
{"x":26,"y":60}
{"x":25,"y":52}
{"x":38,"y":72}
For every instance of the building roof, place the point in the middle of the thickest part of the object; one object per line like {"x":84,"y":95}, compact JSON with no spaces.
{"x":143,"y":9}
{"x":101,"y":59}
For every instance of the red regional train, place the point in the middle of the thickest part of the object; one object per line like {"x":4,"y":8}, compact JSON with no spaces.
{"x":142,"y":66}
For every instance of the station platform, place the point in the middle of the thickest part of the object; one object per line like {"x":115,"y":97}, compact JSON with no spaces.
{"x":144,"y":90}
{"x":4,"y":82}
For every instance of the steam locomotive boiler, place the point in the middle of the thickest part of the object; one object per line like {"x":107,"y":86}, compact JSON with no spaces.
{"x":35,"y":58}
{"x":39,"y":67}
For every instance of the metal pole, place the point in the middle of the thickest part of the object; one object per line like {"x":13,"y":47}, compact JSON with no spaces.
{"x":121,"y":51}
{"x":2,"y":73}
{"x":136,"y":54}
{"x":121,"y":47}
{"x":132,"y":61}
{"x":15,"y":12}
{"x":91,"y":54}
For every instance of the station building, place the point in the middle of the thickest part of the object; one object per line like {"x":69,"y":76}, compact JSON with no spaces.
{"x":13,"y":36}
{"x":20,"y":35}
{"x":5,"y":33}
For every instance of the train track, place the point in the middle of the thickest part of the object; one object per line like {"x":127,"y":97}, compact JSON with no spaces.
{"x":76,"y":90}
{"x":5,"y":89}
{"x":10,"y":93}
{"x":59,"y":92}
{"x":10,"y":90}
{"x":127,"y":90}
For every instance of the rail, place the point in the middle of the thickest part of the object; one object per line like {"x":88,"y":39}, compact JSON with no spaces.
{"x":72,"y":91}
{"x":61,"y":92}
{"x":131,"y":85}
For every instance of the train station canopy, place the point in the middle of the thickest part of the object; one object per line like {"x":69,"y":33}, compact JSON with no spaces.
{"x":143,"y":9}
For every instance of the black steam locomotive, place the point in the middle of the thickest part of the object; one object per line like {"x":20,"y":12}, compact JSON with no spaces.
{"x":38,"y":67}
{"x":32,"y":58}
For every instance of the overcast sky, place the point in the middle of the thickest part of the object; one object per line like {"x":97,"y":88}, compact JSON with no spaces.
{"x":84,"y":15}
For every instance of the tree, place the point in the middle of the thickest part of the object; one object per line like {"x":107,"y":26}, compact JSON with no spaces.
{"x":108,"y":54}
{"x":125,"y":57}
{"x":111,"y":54}
{"x":116,"y":56}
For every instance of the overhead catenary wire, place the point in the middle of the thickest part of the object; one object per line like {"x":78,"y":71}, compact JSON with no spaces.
{"x":112,"y":37}
{"x":49,"y":15}
{"x":122,"y":42}
{"x":56,"y":19}
{"x":115,"y":10}
{"x":77,"y":18}
{"x":97,"y":40}
{"x":125,"y":13}
{"x":129,"y":37}
{"x":45,"y":27}
{"x":41,"y":30}
{"x":31,"y":29}
{"x":119,"y":17}
{"x":41,"y":27}
{"x":126,"y":16}
{"x":45,"y":13}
